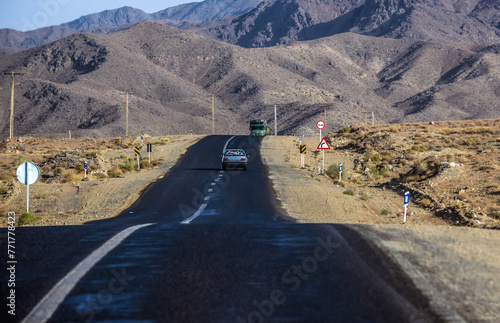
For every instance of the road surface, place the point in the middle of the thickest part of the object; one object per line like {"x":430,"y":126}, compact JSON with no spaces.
{"x":205,"y":245}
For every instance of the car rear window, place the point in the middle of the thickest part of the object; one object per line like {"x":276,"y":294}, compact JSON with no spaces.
{"x":234,"y":153}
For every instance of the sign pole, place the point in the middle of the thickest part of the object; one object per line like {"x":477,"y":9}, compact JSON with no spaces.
{"x":27,"y":191}
{"x":340,"y":172}
{"x":138,"y":164}
{"x":323,"y":165}
{"x":407,"y":200}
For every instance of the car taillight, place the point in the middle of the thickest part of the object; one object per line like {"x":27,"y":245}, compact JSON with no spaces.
{"x":225,"y":159}
{"x":243,"y":159}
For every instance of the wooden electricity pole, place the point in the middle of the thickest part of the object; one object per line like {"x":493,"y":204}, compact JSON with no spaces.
{"x":11,"y":131}
{"x":213,"y":114}
{"x":126,"y":111}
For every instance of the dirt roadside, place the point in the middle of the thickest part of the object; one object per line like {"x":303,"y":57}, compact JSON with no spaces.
{"x":80,"y":201}
{"x":456,"y":268}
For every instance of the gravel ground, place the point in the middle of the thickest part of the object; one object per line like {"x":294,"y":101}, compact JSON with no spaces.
{"x":456,"y":268}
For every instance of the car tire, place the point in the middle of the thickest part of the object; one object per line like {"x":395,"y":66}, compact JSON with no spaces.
{"x":223,"y":167}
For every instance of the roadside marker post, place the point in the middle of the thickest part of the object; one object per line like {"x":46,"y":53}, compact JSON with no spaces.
{"x":85,"y":167}
{"x":323,"y":145}
{"x":303,"y":151}
{"x":340,"y":172}
{"x":150,"y":149}
{"x":142,"y":140}
{"x":407,"y":200}
{"x":138,"y":153}
{"x":28,"y":173}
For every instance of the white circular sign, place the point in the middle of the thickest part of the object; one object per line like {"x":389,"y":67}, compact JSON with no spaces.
{"x":28,"y":173}
{"x":320,"y":125}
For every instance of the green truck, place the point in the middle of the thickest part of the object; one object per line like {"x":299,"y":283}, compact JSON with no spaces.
{"x":258,"y":127}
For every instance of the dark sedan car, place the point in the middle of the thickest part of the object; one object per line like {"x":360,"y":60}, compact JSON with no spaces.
{"x":234,"y":158}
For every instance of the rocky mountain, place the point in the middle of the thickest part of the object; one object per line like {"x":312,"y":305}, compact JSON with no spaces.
{"x":207,"y":10}
{"x":275,"y":22}
{"x":110,"y":21}
{"x":75,"y":83}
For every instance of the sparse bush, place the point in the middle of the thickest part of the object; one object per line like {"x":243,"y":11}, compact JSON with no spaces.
{"x":145,"y":164}
{"x":472,"y":142}
{"x":18,"y":161}
{"x":127,"y":165}
{"x":450,"y":158}
{"x":63,"y":165}
{"x":58,"y":171}
{"x":346,"y":130}
{"x":79,"y":167}
{"x":40,"y":196}
{"x":100,"y":176}
{"x":425,"y":202}
{"x":348,"y":192}
{"x":3,"y":190}
{"x":374,"y":158}
{"x":27,"y":218}
{"x":386,"y":212}
{"x":71,"y":176}
{"x":113,"y":174}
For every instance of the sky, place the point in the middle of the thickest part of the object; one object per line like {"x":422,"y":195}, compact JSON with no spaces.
{"x":24,"y":15}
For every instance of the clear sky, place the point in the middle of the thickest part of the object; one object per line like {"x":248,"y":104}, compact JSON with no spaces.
{"x":26,"y":15}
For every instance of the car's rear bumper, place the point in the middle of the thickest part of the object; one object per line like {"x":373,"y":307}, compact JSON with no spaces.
{"x":234,"y":164}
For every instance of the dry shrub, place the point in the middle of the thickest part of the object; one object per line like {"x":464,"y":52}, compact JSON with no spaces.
{"x":425,"y":202}
{"x":72,"y":176}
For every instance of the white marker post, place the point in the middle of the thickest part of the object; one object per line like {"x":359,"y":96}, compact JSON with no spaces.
{"x":300,"y":151}
{"x":28,"y":173}
{"x":340,"y":172}
{"x":85,"y":167}
{"x":142,"y":140}
{"x":407,"y":200}
{"x":150,"y":149}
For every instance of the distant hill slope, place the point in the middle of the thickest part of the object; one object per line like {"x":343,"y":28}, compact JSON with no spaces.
{"x":207,"y":10}
{"x":75,"y":83}
{"x":109,"y":21}
{"x":274,"y":22}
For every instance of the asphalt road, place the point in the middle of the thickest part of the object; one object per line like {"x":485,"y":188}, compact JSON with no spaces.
{"x":202,"y":245}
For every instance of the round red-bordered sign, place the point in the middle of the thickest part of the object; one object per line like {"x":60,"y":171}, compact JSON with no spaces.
{"x":320,"y":124}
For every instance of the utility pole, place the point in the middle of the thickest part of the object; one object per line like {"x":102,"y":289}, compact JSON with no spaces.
{"x":373,"y":118}
{"x":275,"y":121}
{"x":213,"y":114}
{"x":11,"y":131}
{"x":126,"y":111}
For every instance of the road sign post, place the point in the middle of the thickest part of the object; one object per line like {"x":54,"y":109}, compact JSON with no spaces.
{"x":320,"y":125}
{"x":323,"y":145}
{"x":407,"y":200}
{"x":150,"y":149}
{"x":138,"y":153}
{"x":28,"y":173}
{"x":85,"y":167}
{"x":303,"y":150}
{"x":340,"y":172}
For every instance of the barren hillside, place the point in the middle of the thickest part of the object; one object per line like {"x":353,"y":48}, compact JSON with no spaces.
{"x":75,"y":83}
{"x":471,"y":22}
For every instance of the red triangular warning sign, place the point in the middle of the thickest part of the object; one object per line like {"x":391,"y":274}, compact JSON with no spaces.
{"x":323,"y":144}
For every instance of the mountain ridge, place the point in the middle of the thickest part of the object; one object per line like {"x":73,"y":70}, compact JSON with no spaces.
{"x":74,"y":83}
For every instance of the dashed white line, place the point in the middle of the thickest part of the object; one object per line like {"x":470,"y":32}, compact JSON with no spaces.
{"x":49,"y":304}
{"x":197,"y":214}
{"x":207,"y":198}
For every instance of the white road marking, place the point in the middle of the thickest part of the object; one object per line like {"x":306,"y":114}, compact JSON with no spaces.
{"x":207,"y":198}
{"x":210,"y":190}
{"x":197,"y":214}
{"x":49,"y":304}
{"x":213,"y":184}
{"x":227,"y":143}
